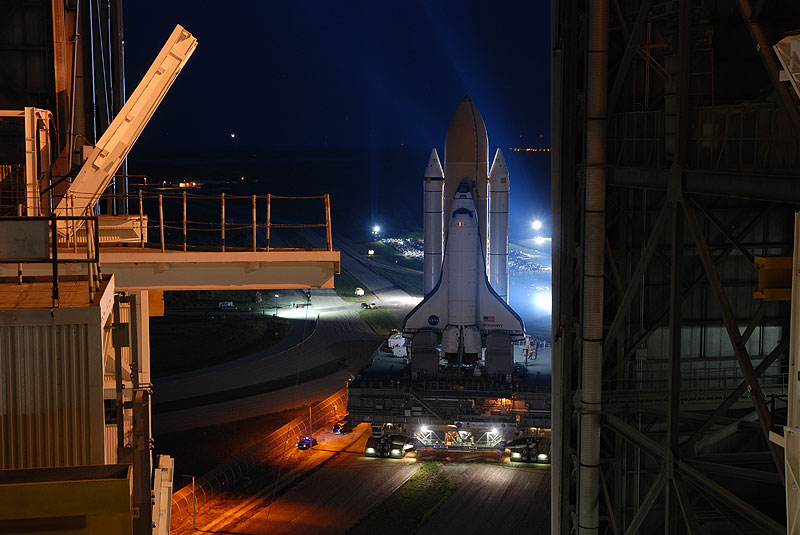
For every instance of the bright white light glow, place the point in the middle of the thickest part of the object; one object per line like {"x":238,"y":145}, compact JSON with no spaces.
{"x":537,"y":225}
{"x":276,"y":295}
{"x":233,"y":134}
{"x":542,"y":457}
{"x":493,"y":431}
{"x":396,"y":452}
{"x":539,"y":240}
{"x":370,"y":450}
{"x":515,"y":455}
{"x":376,"y":229}
{"x":544,"y":301}
{"x":424,"y":429}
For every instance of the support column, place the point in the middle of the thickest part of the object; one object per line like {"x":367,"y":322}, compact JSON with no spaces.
{"x":31,"y":163}
{"x":593,"y":265}
{"x":140,"y":327}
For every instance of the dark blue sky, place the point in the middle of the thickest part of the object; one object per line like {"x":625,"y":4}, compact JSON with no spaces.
{"x":364,"y":74}
{"x":373,"y":81}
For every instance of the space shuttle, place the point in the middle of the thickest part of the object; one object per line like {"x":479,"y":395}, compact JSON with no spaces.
{"x":465,"y":272}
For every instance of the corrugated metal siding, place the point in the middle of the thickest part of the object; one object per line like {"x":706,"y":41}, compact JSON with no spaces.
{"x":110,"y":443}
{"x":51,"y":396}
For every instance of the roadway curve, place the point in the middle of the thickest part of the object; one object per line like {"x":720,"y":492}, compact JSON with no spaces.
{"x":339,"y":333}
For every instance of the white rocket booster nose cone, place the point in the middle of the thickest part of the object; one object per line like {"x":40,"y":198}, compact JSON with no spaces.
{"x":434,"y":168}
{"x":499,"y":169}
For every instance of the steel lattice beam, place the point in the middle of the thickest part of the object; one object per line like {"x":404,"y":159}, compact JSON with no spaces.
{"x":733,"y":332}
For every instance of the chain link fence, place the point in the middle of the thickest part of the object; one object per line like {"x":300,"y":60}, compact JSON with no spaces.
{"x":230,"y":474}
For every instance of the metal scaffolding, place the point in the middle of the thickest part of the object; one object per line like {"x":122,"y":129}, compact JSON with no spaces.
{"x":700,"y":186}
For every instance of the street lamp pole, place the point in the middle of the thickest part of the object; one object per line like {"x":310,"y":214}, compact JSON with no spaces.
{"x":276,"y":304}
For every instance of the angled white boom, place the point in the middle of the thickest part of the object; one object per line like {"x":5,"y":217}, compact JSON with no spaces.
{"x":117,"y":141}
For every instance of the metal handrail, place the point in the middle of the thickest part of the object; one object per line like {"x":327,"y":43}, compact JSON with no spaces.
{"x":173,"y":222}
{"x":92,"y":251}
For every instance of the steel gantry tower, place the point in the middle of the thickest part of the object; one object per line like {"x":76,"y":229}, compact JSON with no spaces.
{"x":675,"y":167}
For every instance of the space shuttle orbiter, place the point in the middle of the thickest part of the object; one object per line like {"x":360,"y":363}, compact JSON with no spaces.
{"x":466,"y":209}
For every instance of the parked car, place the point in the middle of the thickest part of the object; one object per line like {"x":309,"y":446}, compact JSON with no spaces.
{"x":340,"y":428}
{"x":305,"y":443}
{"x":359,"y":292}
{"x":227,"y":305}
{"x":369,"y":305}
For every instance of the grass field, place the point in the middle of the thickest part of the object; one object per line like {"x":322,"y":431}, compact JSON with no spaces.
{"x":408,"y":282}
{"x":407,"y":508}
{"x":208,"y":300}
{"x":379,"y":320}
{"x":345,"y":285}
{"x":323,"y":370}
{"x":385,"y":254}
{"x":203,"y":342}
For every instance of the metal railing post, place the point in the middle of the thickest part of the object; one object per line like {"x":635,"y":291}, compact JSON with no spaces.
{"x":141,"y":220}
{"x":328,"y":221}
{"x":74,"y":236}
{"x":184,"y":221}
{"x":89,"y":264}
{"x":269,"y":203}
{"x":54,"y":232}
{"x":98,"y":271}
{"x":254,"y":223}
{"x":161,"y":219}
{"x":223,"y":222}
{"x":19,"y":265}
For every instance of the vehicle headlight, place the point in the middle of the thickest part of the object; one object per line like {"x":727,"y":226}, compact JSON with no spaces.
{"x":370,"y":450}
{"x":542,"y":457}
{"x":395,"y":452}
{"x":515,"y":455}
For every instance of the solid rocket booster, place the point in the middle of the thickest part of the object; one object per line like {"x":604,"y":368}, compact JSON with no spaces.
{"x":498,"y":226}
{"x":432,"y":222}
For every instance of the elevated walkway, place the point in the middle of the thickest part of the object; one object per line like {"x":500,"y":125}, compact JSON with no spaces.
{"x":137,"y":268}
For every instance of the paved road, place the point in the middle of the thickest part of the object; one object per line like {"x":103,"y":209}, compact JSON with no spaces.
{"x":341,"y":486}
{"x":333,"y":498}
{"x":514,"y":498}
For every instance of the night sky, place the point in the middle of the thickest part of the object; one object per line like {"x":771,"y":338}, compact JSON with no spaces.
{"x":371,"y":78}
